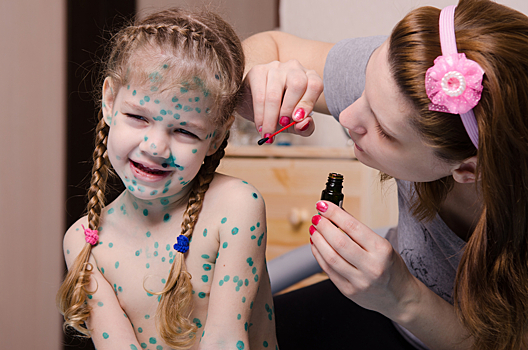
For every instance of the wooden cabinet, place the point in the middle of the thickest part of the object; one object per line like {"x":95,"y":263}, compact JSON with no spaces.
{"x":291,"y":179}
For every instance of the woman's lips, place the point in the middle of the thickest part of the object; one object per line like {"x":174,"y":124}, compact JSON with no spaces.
{"x":359,"y":148}
{"x":142,"y":172}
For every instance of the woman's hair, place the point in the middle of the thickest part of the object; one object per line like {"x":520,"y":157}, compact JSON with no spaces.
{"x":201,"y":52}
{"x":491,"y":291}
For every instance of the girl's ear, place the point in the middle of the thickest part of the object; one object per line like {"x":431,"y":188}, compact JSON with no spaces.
{"x":108,"y":100}
{"x":465,"y":172}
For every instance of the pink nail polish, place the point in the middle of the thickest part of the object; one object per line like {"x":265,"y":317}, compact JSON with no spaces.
{"x":312,"y":230}
{"x":270,"y":140}
{"x":321,"y":206}
{"x":311,"y":241}
{"x":305,"y":127}
{"x":283,"y":121}
{"x":259,"y":128}
{"x":299,"y":114}
{"x":316,"y":219}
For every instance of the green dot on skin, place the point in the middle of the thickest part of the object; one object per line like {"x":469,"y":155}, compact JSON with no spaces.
{"x":133,"y":347}
{"x":205,"y":233}
{"x":105,"y":335}
{"x":194,"y":150}
{"x":240,"y":344}
{"x":145,"y":212}
{"x":234,"y":231}
{"x":205,"y":278}
{"x":117,"y":264}
{"x":223,"y":221}
{"x":224,"y":245}
{"x":265,"y":344}
{"x":201,"y":295}
{"x":152,"y":340}
{"x":100,"y":304}
{"x":140,"y":330}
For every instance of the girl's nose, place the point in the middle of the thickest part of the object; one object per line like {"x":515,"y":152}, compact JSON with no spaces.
{"x":156,"y":143}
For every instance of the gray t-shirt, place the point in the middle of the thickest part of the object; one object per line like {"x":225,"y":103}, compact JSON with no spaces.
{"x":430,"y":250}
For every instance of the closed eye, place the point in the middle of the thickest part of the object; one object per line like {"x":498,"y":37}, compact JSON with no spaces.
{"x":382,"y":133}
{"x":185,"y":132}
{"x":134,"y":116}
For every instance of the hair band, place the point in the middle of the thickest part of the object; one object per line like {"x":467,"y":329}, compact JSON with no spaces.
{"x":454,"y":82}
{"x":182,"y":244}
{"x":90,"y":236}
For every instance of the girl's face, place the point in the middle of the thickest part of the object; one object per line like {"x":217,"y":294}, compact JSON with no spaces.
{"x":157,"y":140}
{"x":379,"y":124}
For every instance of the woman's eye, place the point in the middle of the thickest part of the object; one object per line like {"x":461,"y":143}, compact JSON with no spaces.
{"x":382,"y":133}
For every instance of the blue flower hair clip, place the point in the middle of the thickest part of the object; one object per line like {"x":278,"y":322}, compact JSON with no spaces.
{"x":182,"y":244}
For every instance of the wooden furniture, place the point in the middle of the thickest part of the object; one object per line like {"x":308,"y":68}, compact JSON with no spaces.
{"x":291,"y":178}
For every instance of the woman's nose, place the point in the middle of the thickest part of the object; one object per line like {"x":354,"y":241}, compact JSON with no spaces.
{"x":352,"y":118}
{"x":156,"y":143}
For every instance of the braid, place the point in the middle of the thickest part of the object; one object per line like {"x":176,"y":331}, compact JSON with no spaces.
{"x":175,"y":307}
{"x":71,"y":297}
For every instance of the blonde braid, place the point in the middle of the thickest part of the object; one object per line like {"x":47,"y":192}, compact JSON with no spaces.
{"x":175,"y":307}
{"x":71,"y":297}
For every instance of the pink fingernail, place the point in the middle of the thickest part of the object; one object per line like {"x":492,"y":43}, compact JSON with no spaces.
{"x":305,"y":127}
{"x":271,"y":138}
{"x":299,"y":114}
{"x":321,"y":207}
{"x":311,"y":241}
{"x":316,"y":219}
{"x":259,"y":128}
{"x":312,"y":230}
{"x":283,"y":121}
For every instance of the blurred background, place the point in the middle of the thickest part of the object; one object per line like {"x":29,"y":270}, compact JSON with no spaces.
{"x":48,"y":66}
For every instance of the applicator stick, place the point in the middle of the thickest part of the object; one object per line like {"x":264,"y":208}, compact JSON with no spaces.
{"x":263,"y":140}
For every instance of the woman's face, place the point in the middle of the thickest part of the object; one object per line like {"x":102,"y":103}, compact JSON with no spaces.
{"x":379,"y":124}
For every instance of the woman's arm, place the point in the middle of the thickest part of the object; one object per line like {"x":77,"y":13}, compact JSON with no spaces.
{"x":368,"y":271}
{"x":109,"y":325}
{"x":283,"y":74}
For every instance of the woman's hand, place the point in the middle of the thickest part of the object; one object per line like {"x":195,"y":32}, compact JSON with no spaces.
{"x":276,"y":92}
{"x":363,"y":265}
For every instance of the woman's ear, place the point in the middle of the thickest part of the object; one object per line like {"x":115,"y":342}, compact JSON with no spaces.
{"x":465,"y":172}
{"x":108,"y":100}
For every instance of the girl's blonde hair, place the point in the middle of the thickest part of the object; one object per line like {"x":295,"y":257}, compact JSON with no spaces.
{"x":491,"y":290}
{"x":204,"y":53}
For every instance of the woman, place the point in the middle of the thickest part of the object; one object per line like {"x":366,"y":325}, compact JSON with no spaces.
{"x":443,"y":111}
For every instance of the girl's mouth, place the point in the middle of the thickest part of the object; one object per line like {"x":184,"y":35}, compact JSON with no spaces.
{"x":148,"y":174}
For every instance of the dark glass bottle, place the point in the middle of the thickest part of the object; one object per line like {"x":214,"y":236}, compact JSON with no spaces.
{"x":332,"y":192}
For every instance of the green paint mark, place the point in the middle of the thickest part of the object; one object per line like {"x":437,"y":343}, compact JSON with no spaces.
{"x":158,"y":118}
{"x":134,"y":93}
{"x":265,"y":344}
{"x":156,"y":245}
{"x":148,"y":265}
{"x":152,"y":340}
{"x":252,"y":228}
{"x":110,"y":244}
{"x":117,"y":264}
{"x":205,"y":256}
{"x":167,"y":247}
{"x":205,"y":278}
{"x":194,"y":150}
{"x":201,"y":295}
{"x":223,"y":220}
{"x":254,"y":270}
{"x":145,"y":212}
{"x":110,"y":211}
{"x":135,"y":205}
{"x":153,"y":193}
{"x":250,"y":261}
{"x":178,"y":107}
{"x":221,"y":283}
{"x":198,"y":110}
{"x":206,"y":267}
{"x":240,"y":344}
{"x":256,"y":278}
{"x":133,"y":347}
{"x":163,"y":112}
{"x":147,"y":317}
{"x":163,"y":281}
{"x":258,"y":224}
{"x":260,"y":239}
{"x":100,"y":304}
{"x":253,"y":237}
{"x":131,"y":189}
{"x":148,"y":234}
{"x":90,"y":296}
{"x":105,"y":335}
{"x":146,"y":98}
{"x":226,"y":278}
{"x":67,"y":251}
{"x":224,"y":245}
{"x":174,"y":99}
{"x":205,"y":233}
{"x":255,"y":195}
{"x":143,"y":345}
{"x":198,"y":322}
{"x":166,"y":217}
{"x":239,"y":316}
{"x":243,"y":299}
{"x":234,"y":231}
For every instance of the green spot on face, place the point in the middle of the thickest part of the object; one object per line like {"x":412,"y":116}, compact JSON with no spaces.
{"x":134,"y":93}
{"x":243,"y":299}
{"x":105,"y":335}
{"x":67,"y":251}
{"x":148,"y":234}
{"x":100,"y":304}
{"x":183,"y":90}
{"x":201,"y":295}
{"x":138,"y":252}
{"x":153,"y":193}
{"x":239,"y":316}
{"x":198,"y":322}
{"x":166,"y":217}
{"x":198,"y":110}
{"x":205,"y":233}
{"x":146,"y":98}
{"x":221,"y":283}
{"x":194,"y":150}
{"x":143,"y":345}
{"x":148,"y":265}
{"x":147,"y":317}
{"x":152,"y":340}
{"x":90,"y":296}
{"x":223,"y":220}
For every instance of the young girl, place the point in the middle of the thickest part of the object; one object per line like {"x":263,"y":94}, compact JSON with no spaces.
{"x":178,"y":259}
{"x":441,"y":105}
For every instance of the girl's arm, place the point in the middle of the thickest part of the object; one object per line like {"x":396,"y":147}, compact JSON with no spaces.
{"x":240,"y":271}
{"x":109,"y":325}
{"x":283,"y":75}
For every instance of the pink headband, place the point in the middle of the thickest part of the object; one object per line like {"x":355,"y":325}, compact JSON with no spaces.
{"x":454,"y":83}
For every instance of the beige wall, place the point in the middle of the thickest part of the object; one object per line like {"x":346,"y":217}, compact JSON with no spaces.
{"x":32,"y":91}
{"x":246,"y":16}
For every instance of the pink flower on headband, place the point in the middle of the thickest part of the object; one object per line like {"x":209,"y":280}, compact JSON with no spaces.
{"x":453,"y":84}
